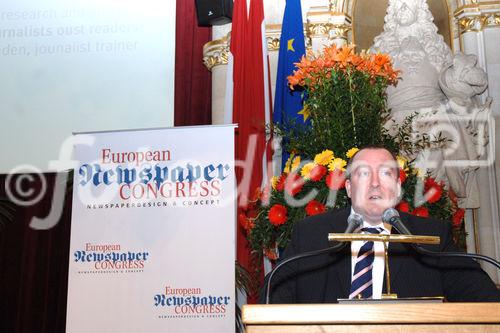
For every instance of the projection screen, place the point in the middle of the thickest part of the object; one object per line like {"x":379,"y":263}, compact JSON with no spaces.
{"x":81,"y":65}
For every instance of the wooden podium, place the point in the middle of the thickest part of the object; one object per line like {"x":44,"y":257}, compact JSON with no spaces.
{"x":400,"y":317}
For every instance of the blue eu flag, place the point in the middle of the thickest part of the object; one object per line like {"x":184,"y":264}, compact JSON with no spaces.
{"x":287,"y":102}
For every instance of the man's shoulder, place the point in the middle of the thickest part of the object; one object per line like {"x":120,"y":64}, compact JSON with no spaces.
{"x":424,"y":225}
{"x":312,"y":232}
{"x":328,"y":220}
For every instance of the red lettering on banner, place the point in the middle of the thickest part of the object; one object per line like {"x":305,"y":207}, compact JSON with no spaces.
{"x":122,"y":195}
{"x":216,"y":187}
{"x":179,"y":187}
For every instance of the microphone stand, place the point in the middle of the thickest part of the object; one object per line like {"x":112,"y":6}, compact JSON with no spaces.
{"x":353,"y":221}
{"x":336,"y":247}
{"x":430,"y":253}
{"x":392,"y":217}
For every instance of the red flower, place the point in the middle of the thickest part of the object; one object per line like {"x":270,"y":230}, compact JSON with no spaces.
{"x":317,"y":173}
{"x":403,"y":207}
{"x":293,"y":184}
{"x":457,"y":218}
{"x":402,"y":175}
{"x":432,"y":190}
{"x":245,"y":222}
{"x":421,"y":211}
{"x":335,"y":180}
{"x":315,"y":207}
{"x":280,"y":185}
{"x":277,"y":214}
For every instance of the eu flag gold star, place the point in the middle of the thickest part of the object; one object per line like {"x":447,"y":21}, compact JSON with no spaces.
{"x":305,"y":112}
{"x":290,"y":45}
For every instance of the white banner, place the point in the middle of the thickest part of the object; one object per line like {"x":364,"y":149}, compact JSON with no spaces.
{"x":152,"y":233}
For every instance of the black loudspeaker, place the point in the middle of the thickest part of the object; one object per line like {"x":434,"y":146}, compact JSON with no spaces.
{"x":214,"y":12}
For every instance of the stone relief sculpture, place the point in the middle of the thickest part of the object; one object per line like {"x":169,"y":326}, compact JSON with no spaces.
{"x":439,"y":90}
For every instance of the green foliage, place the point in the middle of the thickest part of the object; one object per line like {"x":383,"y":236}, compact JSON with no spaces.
{"x":346,"y":102}
{"x":348,"y":110}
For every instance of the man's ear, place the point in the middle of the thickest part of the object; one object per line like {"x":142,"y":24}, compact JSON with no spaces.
{"x":399,"y":190}
{"x":348,"y":187}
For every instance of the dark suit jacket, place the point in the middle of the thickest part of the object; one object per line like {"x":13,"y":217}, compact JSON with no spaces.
{"x":326,"y":278}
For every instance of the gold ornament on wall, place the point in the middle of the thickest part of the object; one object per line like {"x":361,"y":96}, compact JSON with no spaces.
{"x":216,"y":52}
{"x":479,"y":22}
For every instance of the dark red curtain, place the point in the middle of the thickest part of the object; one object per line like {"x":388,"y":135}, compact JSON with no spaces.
{"x":193,"y":87}
{"x":33,"y":263}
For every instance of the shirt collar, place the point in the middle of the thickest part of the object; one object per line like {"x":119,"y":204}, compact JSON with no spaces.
{"x":385,"y":226}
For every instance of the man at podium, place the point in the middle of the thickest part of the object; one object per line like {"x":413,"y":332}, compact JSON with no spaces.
{"x":358,"y":271}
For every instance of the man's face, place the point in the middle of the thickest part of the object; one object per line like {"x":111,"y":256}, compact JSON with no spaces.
{"x":407,"y":13}
{"x":374,"y":183}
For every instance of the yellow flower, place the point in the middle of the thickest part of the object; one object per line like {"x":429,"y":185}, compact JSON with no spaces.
{"x":403,"y":163}
{"x":350,"y":153}
{"x":295,"y":163}
{"x":306,"y":170}
{"x":286,"y":169}
{"x":274,"y":181}
{"x":324,"y":158}
{"x":338,"y":164}
{"x":419,"y":172}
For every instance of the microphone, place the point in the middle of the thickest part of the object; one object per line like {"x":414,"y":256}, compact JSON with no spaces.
{"x":391,"y":216}
{"x":354,"y":221}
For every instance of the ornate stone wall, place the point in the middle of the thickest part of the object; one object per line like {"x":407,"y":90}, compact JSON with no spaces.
{"x":474,"y":28}
{"x":478,"y":26}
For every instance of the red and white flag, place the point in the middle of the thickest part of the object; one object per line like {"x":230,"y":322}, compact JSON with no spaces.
{"x":248,"y":103}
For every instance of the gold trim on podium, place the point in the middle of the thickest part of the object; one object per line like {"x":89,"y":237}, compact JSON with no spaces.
{"x":383,"y":238}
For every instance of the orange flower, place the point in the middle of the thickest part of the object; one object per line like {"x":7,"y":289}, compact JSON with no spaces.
{"x":313,"y":69}
{"x":382,"y":59}
{"x":344,"y":56}
{"x":293,"y":80}
{"x":271,"y":254}
{"x":314,"y":207}
{"x":278,"y":214}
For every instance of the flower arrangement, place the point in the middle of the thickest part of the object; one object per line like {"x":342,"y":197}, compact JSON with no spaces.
{"x":346,"y":105}
{"x":346,"y":101}
{"x":312,"y":187}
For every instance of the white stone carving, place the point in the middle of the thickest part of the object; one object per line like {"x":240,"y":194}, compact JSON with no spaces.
{"x":440,"y":89}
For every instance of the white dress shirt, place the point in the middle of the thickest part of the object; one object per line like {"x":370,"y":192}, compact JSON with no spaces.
{"x":379,"y":260}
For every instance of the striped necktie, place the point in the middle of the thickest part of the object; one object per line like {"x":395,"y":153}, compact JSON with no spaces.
{"x":362,"y":279}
